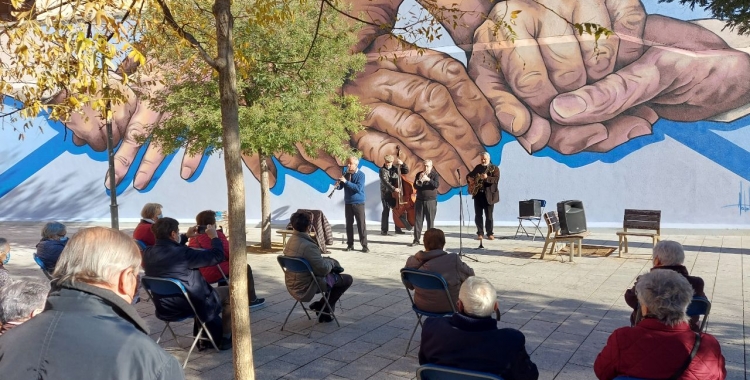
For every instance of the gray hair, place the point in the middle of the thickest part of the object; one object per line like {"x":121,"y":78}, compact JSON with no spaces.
{"x":388,"y":158}
{"x":150,"y":210}
{"x":3,"y":242}
{"x":95,"y":255}
{"x":666,"y":295}
{"x":426,"y":161}
{"x":478,"y":297}
{"x":353,"y":159}
{"x":53,"y":230}
{"x":20,"y":298}
{"x":669,"y":252}
{"x":485,"y":154}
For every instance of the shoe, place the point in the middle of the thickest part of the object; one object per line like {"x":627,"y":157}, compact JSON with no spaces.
{"x":386,"y":233}
{"x":349,"y":248}
{"x":226,"y":344}
{"x":365,"y":249}
{"x":480,"y":237}
{"x":414,"y":243}
{"x":491,"y":237}
{"x":325,"y":318}
{"x":400,"y":232}
{"x":316,"y":306}
{"x":257,"y":303}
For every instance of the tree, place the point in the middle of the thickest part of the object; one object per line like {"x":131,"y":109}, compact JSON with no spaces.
{"x":736,"y":13}
{"x":289,"y":80}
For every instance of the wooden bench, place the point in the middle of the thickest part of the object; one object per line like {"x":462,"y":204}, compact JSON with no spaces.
{"x":285,"y":233}
{"x":553,"y":236}
{"x":643,"y":221}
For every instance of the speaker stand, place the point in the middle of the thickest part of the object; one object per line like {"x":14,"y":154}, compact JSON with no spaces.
{"x":461,"y":222}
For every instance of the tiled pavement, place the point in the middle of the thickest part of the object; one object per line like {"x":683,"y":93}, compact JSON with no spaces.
{"x":566,"y":310}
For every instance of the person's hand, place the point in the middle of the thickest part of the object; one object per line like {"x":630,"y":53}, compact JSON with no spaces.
{"x":211,"y":231}
{"x":342,"y":179}
{"x":193,"y":231}
{"x":397,"y":190}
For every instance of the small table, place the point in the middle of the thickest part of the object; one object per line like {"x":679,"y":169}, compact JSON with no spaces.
{"x":284,"y":234}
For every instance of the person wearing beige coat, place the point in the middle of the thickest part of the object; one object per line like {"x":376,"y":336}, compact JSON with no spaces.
{"x":448,"y":265}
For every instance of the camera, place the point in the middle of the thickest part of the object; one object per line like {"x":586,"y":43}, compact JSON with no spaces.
{"x":201,"y":229}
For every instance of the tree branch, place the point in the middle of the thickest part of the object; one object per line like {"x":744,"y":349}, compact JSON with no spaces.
{"x":315,"y":36}
{"x":186,"y":36}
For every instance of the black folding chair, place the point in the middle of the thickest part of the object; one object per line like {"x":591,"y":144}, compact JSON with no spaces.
{"x":439,"y":372}
{"x":700,"y":306}
{"x":427,"y":281}
{"x":299,"y":265}
{"x":165,"y":287}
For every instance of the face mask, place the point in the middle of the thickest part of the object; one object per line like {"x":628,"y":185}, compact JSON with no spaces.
{"x":159,"y":216}
{"x":7,"y":258}
{"x":64,"y":239}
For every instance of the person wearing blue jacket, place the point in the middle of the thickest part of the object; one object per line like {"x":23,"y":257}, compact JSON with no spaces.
{"x":353,"y":183}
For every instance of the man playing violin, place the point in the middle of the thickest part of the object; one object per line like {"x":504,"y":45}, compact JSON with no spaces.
{"x":389,"y":179}
{"x":353,"y":183}
{"x":426,"y":183}
{"x":483,"y":187}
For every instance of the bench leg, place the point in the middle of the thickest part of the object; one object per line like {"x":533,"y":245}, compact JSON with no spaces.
{"x":283,"y":240}
{"x":544,"y":250}
{"x":572,"y":249}
{"x":626,"y":243}
{"x":619,"y":246}
{"x":580,"y":244}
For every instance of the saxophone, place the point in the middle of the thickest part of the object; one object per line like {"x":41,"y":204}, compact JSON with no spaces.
{"x":475,"y":183}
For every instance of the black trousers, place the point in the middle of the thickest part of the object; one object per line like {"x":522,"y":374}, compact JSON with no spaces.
{"x":482,"y":207}
{"x":423,"y":210}
{"x":219,"y":326}
{"x":352,"y":212}
{"x":386,"y":216}
{"x":342,"y":283}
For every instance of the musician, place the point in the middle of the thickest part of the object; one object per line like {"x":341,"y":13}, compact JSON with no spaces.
{"x":353,"y":183}
{"x":389,"y":177}
{"x":426,"y":183}
{"x":485,"y":175}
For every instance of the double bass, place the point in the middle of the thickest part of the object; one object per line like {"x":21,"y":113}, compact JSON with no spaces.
{"x":404,"y":199}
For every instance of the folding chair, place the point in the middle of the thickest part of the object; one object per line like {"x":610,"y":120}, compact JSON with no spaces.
{"x":41,"y":265}
{"x":438,"y":372}
{"x":171,"y":287}
{"x":427,"y":281}
{"x":141,"y":245}
{"x":226,"y":279}
{"x":299,"y":265}
{"x":534,"y":220}
{"x":700,"y":306}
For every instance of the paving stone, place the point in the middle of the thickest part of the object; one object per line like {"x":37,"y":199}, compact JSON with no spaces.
{"x":320,"y":368}
{"x":363,"y":367}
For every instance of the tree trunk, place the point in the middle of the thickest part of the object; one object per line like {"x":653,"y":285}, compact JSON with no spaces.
{"x":265,"y":204}
{"x":241,"y":336}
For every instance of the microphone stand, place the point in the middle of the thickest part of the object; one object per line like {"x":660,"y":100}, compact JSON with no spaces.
{"x":461,"y":220}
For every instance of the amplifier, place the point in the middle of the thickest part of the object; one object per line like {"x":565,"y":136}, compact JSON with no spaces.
{"x":530,"y":208}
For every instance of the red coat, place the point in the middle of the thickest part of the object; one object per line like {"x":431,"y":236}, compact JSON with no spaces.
{"x":653,"y":350}
{"x":211,"y":273}
{"x":143,"y":233}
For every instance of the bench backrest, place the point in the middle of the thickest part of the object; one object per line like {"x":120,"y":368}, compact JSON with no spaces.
{"x":642,"y":220}
{"x":553,"y":224}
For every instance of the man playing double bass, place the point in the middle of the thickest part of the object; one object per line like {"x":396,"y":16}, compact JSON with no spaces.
{"x":389,"y":176}
{"x":426,"y":183}
{"x":483,"y":188}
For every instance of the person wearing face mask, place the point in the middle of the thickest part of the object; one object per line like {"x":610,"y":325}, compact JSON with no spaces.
{"x":171,"y":258}
{"x":89,"y":329}
{"x":150,"y":213}
{"x":53,"y":241}
{"x":4,"y":259}
{"x":21,"y":301}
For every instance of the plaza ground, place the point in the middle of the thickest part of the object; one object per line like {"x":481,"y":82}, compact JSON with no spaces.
{"x":566,"y":310}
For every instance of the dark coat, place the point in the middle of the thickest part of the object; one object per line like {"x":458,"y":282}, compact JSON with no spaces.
{"x":490,"y":183}
{"x":389,"y":179}
{"x":631,"y":298}
{"x":427,"y":191}
{"x":49,"y":252}
{"x":476,"y":344}
{"x":85,"y":332}
{"x":653,"y":350}
{"x":167,"y":259}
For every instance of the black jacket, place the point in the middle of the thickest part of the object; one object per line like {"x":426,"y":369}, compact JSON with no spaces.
{"x":490,"y":190}
{"x":167,"y":259}
{"x":389,"y":179}
{"x":476,"y":344}
{"x":427,"y":191}
{"x":85,"y":332}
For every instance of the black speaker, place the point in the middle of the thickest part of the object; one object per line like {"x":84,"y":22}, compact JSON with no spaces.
{"x":572,"y":217}
{"x":530,"y":208}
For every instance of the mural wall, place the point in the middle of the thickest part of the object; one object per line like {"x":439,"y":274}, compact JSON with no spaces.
{"x":652,"y":117}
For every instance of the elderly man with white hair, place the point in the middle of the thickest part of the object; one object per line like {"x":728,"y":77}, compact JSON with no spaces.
{"x":89,"y":329}
{"x":20,"y":301}
{"x":471,"y":340}
{"x":668,"y":255}
{"x":661,"y":345}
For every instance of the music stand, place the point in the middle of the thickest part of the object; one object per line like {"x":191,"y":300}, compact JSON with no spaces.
{"x":461,"y":221}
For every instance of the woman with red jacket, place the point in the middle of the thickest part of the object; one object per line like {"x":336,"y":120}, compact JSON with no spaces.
{"x":660,"y":346}
{"x":212,"y":273}
{"x":150,"y":213}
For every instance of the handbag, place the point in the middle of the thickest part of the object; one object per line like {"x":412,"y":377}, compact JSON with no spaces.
{"x":693,"y":352}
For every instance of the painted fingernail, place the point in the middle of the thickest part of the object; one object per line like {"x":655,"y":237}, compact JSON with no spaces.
{"x":186,"y":172}
{"x":489,"y":134}
{"x":524,"y":143}
{"x":141,"y":181}
{"x":639,"y":130}
{"x":569,"y":105}
{"x":506,"y":120}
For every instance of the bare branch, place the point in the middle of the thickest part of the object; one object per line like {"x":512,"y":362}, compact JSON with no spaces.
{"x":186,"y":36}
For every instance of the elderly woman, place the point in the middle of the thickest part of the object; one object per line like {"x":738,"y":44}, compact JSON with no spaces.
{"x":150,"y":213}
{"x":449,"y":265}
{"x":661,"y":345}
{"x":53,"y":241}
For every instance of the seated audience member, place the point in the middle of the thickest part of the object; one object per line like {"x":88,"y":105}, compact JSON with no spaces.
{"x":171,"y":258}
{"x":4,"y":259}
{"x":51,"y":246}
{"x":449,"y":265}
{"x":89,"y":330}
{"x":150,"y":213}
{"x":20,"y":301}
{"x":301,"y":245}
{"x":212,"y":273}
{"x":660,"y":344}
{"x":471,"y":340}
{"x":668,"y":255}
